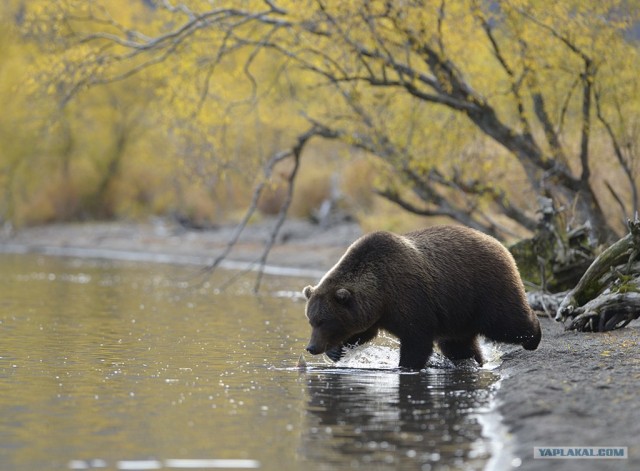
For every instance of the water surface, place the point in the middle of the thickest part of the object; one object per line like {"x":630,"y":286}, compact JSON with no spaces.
{"x":127,"y":365}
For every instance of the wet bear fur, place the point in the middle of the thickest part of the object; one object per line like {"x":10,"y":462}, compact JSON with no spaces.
{"x":444,"y":284}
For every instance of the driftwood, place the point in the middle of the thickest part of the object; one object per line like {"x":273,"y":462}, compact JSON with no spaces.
{"x":546,"y":303}
{"x":607,"y":296}
{"x":606,"y":312}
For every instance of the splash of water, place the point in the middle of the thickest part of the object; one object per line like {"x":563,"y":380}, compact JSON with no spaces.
{"x":492,"y":353}
{"x":388,"y":356}
{"x":370,"y":356}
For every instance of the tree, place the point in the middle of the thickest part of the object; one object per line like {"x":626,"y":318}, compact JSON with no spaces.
{"x":475,"y":108}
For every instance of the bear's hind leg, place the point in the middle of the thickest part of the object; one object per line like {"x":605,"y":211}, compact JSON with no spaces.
{"x":462,"y":349}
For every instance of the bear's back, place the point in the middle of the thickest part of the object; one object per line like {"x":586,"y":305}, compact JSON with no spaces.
{"x":467,"y":251}
{"x":469,"y":270}
{"x":455,"y":268}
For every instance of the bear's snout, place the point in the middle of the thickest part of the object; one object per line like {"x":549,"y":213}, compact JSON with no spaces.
{"x":314,"y":349}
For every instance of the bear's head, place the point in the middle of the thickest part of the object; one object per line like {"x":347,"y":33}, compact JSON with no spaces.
{"x":334,"y":315}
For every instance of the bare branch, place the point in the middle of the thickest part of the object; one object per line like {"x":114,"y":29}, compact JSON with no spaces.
{"x":515,"y":83}
{"x":295,"y":152}
{"x":253,"y":206}
{"x":441,"y":16}
{"x":91,"y":80}
{"x":180,"y":8}
{"x":564,"y":39}
{"x":614,"y":194}
{"x":387,"y":57}
{"x":497,"y":196}
{"x":617,"y":149}
{"x":553,"y":139}
{"x":394,"y":197}
{"x":423,"y":184}
{"x":208,"y":18}
{"x":585,"y":133}
{"x":565,"y":105}
{"x":443,"y":208}
{"x":275,"y":8}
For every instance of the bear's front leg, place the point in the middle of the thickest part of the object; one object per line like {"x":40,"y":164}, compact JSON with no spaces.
{"x":336,"y":353}
{"x":363,"y":337}
{"x":414,"y":353}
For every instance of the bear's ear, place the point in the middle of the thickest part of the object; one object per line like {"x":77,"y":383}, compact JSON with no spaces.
{"x":307,"y":291}
{"x":343,"y":295}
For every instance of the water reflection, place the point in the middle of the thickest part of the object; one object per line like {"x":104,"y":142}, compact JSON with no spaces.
{"x":104,"y":363}
{"x":409,"y":421}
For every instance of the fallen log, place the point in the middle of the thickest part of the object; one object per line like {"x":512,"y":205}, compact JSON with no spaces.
{"x":607,"y":296}
{"x":606,"y":312}
{"x":547,"y":303}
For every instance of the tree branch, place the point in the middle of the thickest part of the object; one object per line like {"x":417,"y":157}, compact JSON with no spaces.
{"x":614,"y":194}
{"x":539,"y":107}
{"x":515,"y":84}
{"x":587,"y":84}
{"x":295,"y":152}
{"x":497,"y":196}
{"x":443,"y":208}
{"x":565,"y":106}
{"x":617,"y":149}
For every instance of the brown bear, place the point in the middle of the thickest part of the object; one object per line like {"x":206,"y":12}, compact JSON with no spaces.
{"x":447,"y":284}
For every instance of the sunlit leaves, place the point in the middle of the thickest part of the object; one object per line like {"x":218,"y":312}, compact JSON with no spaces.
{"x":229,"y":83}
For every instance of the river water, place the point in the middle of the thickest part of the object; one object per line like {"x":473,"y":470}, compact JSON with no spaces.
{"x":129,"y":365}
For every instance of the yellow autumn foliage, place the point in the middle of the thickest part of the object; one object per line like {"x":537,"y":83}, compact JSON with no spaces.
{"x":146,"y":107}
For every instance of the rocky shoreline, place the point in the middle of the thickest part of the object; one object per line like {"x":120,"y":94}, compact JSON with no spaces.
{"x":576,"y":390}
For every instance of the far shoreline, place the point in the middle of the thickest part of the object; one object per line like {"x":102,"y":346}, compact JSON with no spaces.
{"x":303,"y":249}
